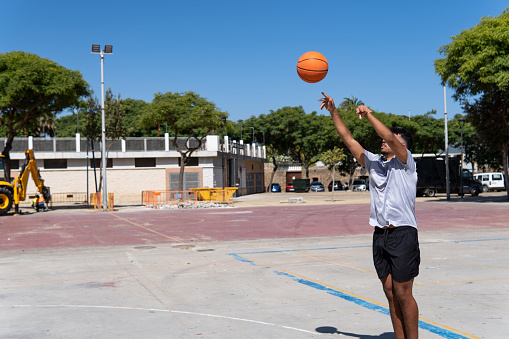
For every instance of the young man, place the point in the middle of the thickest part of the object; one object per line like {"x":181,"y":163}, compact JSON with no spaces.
{"x":392,"y":181}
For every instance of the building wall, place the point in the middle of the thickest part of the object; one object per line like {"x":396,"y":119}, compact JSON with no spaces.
{"x":124,"y":179}
{"x":320,"y":173}
{"x":125,"y":184}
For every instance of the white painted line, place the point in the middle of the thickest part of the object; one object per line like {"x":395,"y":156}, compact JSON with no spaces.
{"x":167,"y":311}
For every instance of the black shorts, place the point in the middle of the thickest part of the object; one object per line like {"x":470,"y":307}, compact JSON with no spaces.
{"x":396,"y":251}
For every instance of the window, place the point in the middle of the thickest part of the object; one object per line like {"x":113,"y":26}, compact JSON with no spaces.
{"x":191,"y":180}
{"x":145,"y":162}
{"x":55,"y":163}
{"x":497,"y":176}
{"x":190,"y":162}
{"x":109,"y":163}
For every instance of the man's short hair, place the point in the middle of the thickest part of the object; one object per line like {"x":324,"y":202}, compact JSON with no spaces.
{"x":409,"y":139}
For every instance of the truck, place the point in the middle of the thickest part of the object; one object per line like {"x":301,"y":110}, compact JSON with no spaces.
{"x":431,"y":177}
{"x":11,"y":193}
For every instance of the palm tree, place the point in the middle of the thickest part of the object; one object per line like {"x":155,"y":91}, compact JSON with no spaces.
{"x":350,"y":103}
{"x":47,"y":125}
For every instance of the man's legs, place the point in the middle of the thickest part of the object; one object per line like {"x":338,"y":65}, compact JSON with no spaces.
{"x":402,"y":306}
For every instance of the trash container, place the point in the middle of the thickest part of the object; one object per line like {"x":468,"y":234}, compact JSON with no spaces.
{"x":301,"y":185}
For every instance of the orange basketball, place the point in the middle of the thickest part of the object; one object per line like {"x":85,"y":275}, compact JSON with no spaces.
{"x":312,"y":67}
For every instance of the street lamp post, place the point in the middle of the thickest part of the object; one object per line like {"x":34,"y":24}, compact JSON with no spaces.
{"x":446,"y":132}
{"x":223,"y":119}
{"x":108,"y":49}
{"x":253,"y":134}
{"x":462,"y":122}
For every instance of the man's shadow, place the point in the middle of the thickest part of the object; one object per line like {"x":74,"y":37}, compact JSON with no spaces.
{"x":333,"y":330}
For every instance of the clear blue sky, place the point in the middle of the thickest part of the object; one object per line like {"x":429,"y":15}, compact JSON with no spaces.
{"x":242,"y":55}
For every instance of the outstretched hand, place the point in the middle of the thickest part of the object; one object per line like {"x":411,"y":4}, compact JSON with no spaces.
{"x":362,"y":111}
{"x":327,"y":102}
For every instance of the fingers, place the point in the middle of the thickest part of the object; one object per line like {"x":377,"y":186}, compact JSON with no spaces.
{"x":362,"y":111}
{"x":326,"y":101}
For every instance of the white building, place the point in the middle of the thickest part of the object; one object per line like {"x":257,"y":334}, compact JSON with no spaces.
{"x":141,"y":164}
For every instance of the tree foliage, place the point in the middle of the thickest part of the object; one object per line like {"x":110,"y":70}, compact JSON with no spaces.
{"x":476,"y":65}
{"x":32,"y":87}
{"x":476,"y":61}
{"x":187,"y":115}
{"x":350,"y":103}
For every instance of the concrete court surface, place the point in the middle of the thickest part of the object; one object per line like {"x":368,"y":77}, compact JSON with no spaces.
{"x":264,"y":269}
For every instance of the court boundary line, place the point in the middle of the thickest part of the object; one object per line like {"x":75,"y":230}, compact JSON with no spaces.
{"x":425,"y":324}
{"x":163,"y":311}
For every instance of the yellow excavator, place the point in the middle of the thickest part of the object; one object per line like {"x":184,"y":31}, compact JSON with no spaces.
{"x":15,"y":191}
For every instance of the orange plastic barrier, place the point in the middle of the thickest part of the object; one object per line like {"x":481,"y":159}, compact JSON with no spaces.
{"x":155,"y":199}
{"x":97,"y":199}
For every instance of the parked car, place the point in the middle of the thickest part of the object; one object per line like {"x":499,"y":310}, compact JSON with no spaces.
{"x":289,"y":187}
{"x":492,"y":181}
{"x":337,"y":186}
{"x":359,"y":185}
{"x":275,"y":187}
{"x":317,"y":186}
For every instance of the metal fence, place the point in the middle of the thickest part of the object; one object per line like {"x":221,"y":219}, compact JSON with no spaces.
{"x":71,"y":197}
{"x":158,"y":199}
{"x":48,"y":145}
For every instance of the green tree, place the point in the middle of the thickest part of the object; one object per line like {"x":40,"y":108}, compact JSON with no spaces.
{"x":350,"y":103}
{"x":68,"y":125}
{"x":332,"y":158}
{"x":475,"y":64}
{"x":115,"y":118}
{"x":134,"y":111}
{"x":490,"y":110}
{"x":114,"y":123}
{"x":32,"y":87}
{"x":311,"y":140}
{"x":188,"y":115}
{"x":281,"y":132}
{"x":92,"y":112}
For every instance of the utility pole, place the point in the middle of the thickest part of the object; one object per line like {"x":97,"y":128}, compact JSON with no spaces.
{"x":447,"y":183}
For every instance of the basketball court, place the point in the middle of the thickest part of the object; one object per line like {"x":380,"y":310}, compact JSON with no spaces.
{"x":252,"y":272}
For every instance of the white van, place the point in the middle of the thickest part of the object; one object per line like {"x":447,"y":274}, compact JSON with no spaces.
{"x":493,"y":181}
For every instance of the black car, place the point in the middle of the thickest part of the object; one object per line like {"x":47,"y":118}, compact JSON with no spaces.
{"x":337,"y":186}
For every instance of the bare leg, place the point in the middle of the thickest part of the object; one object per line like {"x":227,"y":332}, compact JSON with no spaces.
{"x":394,"y":308}
{"x":408,"y":307}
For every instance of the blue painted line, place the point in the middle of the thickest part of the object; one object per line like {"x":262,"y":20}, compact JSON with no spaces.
{"x":442,"y":332}
{"x":365,"y":246}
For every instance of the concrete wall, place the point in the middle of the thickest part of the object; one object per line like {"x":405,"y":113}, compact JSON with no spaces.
{"x":125,"y":184}
{"x":322,"y":173}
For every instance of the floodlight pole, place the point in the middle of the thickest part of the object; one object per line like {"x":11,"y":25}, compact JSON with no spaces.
{"x":461,"y":121}
{"x":103,"y":126}
{"x":447,"y":183}
{"x":223,"y":120}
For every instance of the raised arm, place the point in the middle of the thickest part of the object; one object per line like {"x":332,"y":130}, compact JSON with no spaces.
{"x":396,"y":144}
{"x":345,"y":135}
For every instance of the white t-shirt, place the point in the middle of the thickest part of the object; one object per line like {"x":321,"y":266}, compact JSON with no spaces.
{"x":392,"y":187}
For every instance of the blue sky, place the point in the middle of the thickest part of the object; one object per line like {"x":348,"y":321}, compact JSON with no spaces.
{"x":242,"y":55}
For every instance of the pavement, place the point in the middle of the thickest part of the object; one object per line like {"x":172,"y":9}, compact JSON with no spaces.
{"x":272,"y":266}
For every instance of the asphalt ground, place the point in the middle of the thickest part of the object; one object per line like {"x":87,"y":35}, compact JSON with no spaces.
{"x":266,"y":268}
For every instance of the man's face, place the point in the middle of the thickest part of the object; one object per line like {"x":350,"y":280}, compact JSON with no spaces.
{"x":386,"y":149}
